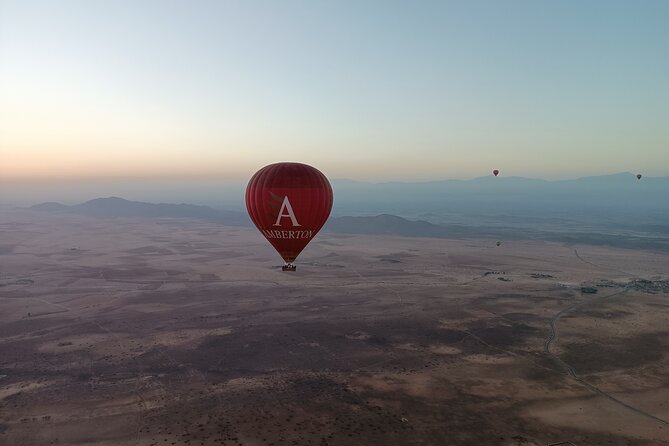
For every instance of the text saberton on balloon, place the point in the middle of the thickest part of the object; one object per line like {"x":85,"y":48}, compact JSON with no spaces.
{"x":287,"y":234}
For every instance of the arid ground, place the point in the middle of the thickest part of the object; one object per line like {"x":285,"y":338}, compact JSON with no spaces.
{"x":181,"y":332}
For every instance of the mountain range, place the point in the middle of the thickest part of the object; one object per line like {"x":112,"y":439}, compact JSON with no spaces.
{"x":486,"y":195}
{"x":655,"y":237}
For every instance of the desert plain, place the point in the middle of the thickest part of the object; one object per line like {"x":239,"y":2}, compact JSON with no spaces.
{"x":146,"y":332}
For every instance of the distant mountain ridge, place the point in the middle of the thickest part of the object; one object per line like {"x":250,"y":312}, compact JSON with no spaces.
{"x":495,"y":185}
{"x":608,"y":197}
{"x":120,"y":207}
{"x":383,"y":224}
{"x":613,"y":210}
{"x":620,"y":177}
{"x":386,"y":224}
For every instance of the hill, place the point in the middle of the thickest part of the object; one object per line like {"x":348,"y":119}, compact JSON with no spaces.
{"x":120,"y":207}
{"x":654,"y":237}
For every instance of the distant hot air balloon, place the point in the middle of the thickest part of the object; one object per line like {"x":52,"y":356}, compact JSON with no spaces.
{"x":495,"y":172}
{"x":638,"y":176}
{"x":498,"y":243}
{"x":289,"y":203}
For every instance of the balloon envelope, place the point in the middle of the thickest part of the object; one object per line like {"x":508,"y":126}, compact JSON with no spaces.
{"x":638,"y":176}
{"x":495,"y":172}
{"x":289,"y":203}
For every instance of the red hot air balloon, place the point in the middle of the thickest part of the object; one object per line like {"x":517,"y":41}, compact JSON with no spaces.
{"x":495,"y":172}
{"x":289,"y":203}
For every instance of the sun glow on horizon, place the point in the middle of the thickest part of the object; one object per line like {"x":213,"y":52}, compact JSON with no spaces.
{"x":447,"y":91}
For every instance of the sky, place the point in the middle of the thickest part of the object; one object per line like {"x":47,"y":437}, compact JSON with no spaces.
{"x":373,"y":90}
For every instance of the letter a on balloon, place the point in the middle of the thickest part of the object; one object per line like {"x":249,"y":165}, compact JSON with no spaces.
{"x":289,"y":203}
{"x":285,"y":205}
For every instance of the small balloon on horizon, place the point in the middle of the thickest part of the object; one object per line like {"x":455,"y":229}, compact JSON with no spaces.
{"x":495,"y":172}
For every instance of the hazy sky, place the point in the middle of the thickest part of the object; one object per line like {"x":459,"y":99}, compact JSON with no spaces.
{"x":361,"y":89}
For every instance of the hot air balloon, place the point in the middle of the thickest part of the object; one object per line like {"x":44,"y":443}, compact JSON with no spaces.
{"x":495,"y":172}
{"x":498,"y":243}
{"x":289,"y":203}
{"x":638,"y":176}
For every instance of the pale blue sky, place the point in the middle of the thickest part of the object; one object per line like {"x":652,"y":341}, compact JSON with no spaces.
{"x":363,"y":90}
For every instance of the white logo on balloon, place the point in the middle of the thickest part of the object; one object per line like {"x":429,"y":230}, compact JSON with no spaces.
{"x":285,"y":206}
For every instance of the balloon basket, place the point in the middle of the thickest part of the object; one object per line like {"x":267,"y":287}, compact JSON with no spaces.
{"x":288,"y":267}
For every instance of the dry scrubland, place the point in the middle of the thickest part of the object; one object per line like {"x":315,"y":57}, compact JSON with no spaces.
{"x":174,"y":332}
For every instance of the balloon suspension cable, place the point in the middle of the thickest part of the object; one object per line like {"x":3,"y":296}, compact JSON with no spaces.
{"x":288,"y":267}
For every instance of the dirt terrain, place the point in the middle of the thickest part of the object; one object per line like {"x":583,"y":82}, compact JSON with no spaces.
{"x":181,"y":332}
